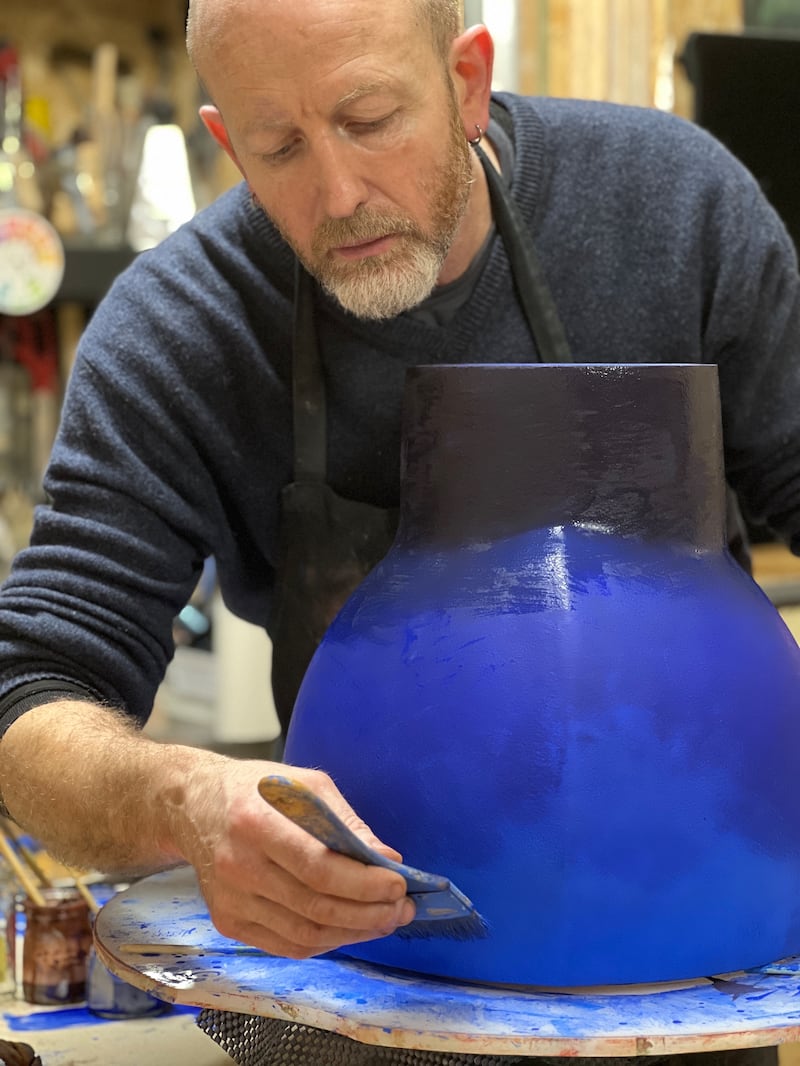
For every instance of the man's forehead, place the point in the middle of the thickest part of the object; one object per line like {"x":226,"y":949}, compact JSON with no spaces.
{"x":266,"y":70}
{"x":280,"y":34}
{"x":272,"y":114}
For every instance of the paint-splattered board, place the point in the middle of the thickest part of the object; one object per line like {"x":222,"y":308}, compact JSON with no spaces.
{"x":158,"y":935}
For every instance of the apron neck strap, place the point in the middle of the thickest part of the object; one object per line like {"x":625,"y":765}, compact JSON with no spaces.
{"x":532,"y":290}
{"x":310,"y":422}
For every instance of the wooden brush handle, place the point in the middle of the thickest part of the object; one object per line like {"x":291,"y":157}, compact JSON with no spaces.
{"x":17,"y":841}
{"x":25,"y":879}
{"x":190,"y":949}
{"x":83,"y":890}
{"x":16,"y":836}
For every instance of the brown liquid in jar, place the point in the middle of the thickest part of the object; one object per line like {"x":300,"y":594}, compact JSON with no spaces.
{"x":57,"y":941}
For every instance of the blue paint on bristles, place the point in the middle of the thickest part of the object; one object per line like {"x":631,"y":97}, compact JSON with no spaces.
{"x":442,"y":910}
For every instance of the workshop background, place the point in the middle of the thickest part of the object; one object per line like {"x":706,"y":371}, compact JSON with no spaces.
{"x":99,"y":135}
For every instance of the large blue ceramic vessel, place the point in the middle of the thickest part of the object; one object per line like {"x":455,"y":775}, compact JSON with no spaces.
{"x":560,"y":690}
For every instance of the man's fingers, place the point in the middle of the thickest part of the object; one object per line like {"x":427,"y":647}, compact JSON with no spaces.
{"x":384,"y":849}
{"x":272,"y":884}
{"x":298,"y":922}
{"x":361,"y":829}
{"x":313,"y":864}
{"x":305,"y":937}
{"x":270,"y":939}
{"x":344,"y":914}
{"x":323,"y":896}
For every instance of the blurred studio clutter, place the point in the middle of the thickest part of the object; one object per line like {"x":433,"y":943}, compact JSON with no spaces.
{"x":102,"y":156}
{"x":94,"y":168}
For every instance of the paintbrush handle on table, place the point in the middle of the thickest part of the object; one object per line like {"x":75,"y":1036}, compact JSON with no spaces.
{"x":442,"y":910}
{"x":191,"y":949}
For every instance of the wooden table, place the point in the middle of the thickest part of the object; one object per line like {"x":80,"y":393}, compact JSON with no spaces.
{"x":158,"y":936}
{"x":72,"y":1037}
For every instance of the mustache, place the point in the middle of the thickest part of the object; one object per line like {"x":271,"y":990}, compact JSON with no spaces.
{"x":362,"y":225}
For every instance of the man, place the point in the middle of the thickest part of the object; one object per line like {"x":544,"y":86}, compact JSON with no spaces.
{"x":357,"y":127}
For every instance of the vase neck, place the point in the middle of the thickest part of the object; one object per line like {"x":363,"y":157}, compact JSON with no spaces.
{"x":631,"y":450}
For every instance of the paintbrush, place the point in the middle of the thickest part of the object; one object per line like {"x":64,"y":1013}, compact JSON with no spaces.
{"x":442,"y":910}
{"x":14,"y":834}
{"x":83,"y":891}
{"x":27,"y":880}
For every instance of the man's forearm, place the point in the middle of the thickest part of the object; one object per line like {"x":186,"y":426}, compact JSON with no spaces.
{"x":98,"y":794}
{"x":95,"y":791}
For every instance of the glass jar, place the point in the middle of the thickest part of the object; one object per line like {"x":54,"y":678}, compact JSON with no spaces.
{"x":108,"y":996}
{"x":58,"y":937}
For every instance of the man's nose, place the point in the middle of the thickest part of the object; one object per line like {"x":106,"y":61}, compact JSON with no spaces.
{"x":341,"y":187}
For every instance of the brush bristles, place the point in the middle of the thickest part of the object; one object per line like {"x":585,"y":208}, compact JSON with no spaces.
{"x":471,"y":927}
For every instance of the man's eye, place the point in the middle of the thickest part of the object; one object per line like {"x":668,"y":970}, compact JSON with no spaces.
{"x":280,"y":154}
{"x":372,"y":126}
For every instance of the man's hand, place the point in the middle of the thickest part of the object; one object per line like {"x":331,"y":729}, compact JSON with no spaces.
{"x":99,"y":794}
{"x":269,"y":883}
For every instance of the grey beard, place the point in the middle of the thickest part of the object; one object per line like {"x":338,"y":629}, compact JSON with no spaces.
{"x":385,"y":290}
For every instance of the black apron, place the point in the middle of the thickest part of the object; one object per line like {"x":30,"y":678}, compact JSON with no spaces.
{"x":328,"y":544}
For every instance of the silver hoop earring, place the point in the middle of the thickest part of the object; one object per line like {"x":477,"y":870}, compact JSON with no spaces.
{"x":475,"y":141}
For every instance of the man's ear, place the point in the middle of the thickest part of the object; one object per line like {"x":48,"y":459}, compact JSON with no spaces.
{"x":212,"y":120}
{"x":471,"y":64}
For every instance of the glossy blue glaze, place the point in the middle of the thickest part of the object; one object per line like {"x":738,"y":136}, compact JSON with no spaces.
{"x":594,"y":734}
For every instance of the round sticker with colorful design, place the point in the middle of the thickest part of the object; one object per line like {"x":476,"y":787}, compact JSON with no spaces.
{"x":31,"y":262}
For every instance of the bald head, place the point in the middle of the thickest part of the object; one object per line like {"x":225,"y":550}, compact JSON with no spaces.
{"x":440,"y":19}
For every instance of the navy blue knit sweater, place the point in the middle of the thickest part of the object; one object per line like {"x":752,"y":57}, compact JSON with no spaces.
{"x":175,"y":437}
